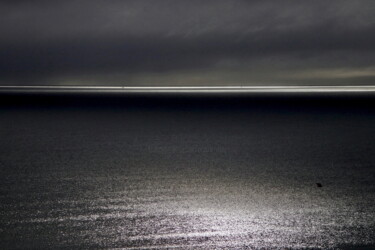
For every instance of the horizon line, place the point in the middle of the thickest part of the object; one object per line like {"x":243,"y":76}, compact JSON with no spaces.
{"x":188,"y":89}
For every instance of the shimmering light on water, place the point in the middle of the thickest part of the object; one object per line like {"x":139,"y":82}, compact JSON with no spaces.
{"x":167,"y":178}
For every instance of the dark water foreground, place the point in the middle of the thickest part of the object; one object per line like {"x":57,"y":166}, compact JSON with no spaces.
{"x":204,"y":172}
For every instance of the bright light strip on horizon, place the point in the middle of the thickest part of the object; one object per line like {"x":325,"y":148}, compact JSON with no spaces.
{"x":188,"y":89}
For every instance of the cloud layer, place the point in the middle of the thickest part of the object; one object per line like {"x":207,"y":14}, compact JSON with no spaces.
{"x":173,"y":42}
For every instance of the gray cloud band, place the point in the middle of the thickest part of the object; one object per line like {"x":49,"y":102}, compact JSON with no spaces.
{"x":41,"y":41}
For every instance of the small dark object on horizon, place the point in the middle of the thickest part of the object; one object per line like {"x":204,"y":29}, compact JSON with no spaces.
{"x":319,"y":185}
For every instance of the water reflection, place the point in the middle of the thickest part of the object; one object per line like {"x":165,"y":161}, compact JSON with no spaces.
{"x":204,"y":179}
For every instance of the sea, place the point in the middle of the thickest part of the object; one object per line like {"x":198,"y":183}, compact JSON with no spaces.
{"x":180,"y":171}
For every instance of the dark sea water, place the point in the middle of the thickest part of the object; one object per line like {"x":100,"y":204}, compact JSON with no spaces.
{"x":190,"y":173}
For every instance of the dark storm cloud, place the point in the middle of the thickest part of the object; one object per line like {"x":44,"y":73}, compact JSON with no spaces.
{"x":57,"y":41}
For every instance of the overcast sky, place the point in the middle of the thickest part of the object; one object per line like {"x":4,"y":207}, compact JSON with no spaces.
{"x":187,"y":42}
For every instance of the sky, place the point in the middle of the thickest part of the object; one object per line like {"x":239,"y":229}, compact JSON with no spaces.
{"x":184,"y":43}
